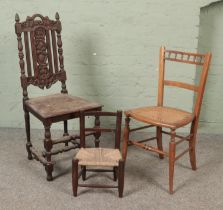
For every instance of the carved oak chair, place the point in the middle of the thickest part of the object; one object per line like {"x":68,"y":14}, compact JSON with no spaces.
{"x":89,"y":158}
{"x":161,"y":116}
{"x":42,"y":67}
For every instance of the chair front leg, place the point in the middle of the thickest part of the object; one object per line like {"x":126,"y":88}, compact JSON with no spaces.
{"x":65,"y":131}
{"x":75,"y":176}
{"x":48,"y":146}
{"x":159,"y":140}
{"x":28,"y":143}
{"x":126,"y":137}
{"x":172,"y":148}
{"x":121,"y":169}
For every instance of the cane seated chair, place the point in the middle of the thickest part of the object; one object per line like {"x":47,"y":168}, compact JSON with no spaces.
{"x":99,"y":159}
{"x":42,"y":67}
{"x":161,"y":116}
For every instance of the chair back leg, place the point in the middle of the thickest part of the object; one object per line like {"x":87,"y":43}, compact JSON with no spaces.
{"x":28,"y":143}
{"x":192,"y":145}
{"x":159,"y":141}
{"x":126,"y":137}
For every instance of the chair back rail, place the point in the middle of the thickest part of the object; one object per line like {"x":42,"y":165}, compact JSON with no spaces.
{"x":202,"y":60}
{"x":116,"y":130}
{"x":42,"y":64}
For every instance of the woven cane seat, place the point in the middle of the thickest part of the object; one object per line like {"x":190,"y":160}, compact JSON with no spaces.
{"x":161,"y":116}
{"x":58,"y":104}
{"x":98,"y":157}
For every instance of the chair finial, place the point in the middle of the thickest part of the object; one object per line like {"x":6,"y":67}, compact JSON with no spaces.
{"x":57,"y":16}
{"x":17,"y":18}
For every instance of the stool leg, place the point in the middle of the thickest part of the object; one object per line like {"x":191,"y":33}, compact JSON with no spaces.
{"x":115,"y":173}
{"x":121,"y":167}
{"x":83,"y":173}
{"x":75,"y":176}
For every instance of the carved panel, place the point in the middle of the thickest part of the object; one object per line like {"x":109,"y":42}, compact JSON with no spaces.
{"x":39,"y":34}
{"x":43,"y":77}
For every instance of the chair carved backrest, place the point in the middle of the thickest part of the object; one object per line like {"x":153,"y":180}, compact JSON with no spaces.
{"x":202,"y":60}
{"x":116,"y":130}
{"x":42,"y":64}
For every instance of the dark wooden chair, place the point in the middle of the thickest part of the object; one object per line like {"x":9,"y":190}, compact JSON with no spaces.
{"x":161,"y":116}
{"x":99,"y":157}
{"x":42,"y":67}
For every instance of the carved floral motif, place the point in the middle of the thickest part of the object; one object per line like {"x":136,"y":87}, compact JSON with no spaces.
{"x":44,"y":76}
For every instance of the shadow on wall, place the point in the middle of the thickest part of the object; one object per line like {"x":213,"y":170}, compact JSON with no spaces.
{"x":210,"y":40}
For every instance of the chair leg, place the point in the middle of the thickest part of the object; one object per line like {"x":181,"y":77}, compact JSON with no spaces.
{"x":159,"y":140}
{"x":75,"y":176}
{"x":83,"y":174}
{"x":126,"y":137}
{"x":115,"y":174}
{"x":192,"y":149}
{"x":192,"y":153}
{"x":28,"y":143}
{"x":65,"y":131}
{"x":98,"y":133}
{"x":121,"y":168}
{"x":48,"y":146}
{"x":172,"y":148}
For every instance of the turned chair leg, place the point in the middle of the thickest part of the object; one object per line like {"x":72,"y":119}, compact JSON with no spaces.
{"x":28,"y":143}
{"x":75,"y":176}
{"x":126,"y":137}
{"x":121,"y":168}
{"x":172,"y":148}
{"x":48,"y":146}
{"x":159,"y":140}
{"x":83,"y":174}
{"x":65,"y":131}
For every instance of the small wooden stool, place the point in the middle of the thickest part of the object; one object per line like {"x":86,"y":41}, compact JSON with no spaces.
{"x":99,"y":157}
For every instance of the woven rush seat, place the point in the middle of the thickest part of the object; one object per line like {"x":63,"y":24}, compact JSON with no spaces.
{"x":98,"y":157}
{"x":162,"y":116}
{"x":59,"y":104}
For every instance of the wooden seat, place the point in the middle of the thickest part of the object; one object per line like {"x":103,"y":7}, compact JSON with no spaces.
{"x":161,"y":116}
{"x":42,"y":65}
{"x":99,"y":159}
{"x":58,"y":104}
{"x":168,"y":117}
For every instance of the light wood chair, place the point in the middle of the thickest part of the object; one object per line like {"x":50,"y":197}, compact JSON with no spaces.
{"x":161,"y":116}
{"x":42,"y":66}
{"x":99,"y":159}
